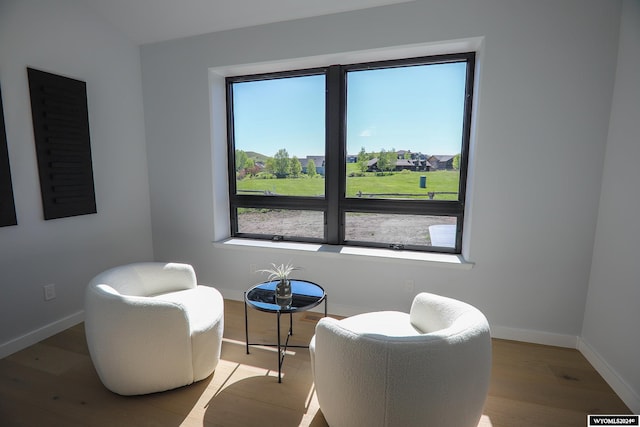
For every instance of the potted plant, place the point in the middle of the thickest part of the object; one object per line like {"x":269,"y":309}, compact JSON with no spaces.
{"x":280,"y":273}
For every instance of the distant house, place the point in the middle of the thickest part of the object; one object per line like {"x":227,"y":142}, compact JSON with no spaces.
{"x":422,"y":164}
{"x":403,"y":154}
{"x":401,"y":164}
{"x":317,"y":160}
{"x":441,"y":162}
{"x":372,"y":165}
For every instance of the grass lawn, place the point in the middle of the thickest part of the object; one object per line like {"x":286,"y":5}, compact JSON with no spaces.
{"x":398,"y":182}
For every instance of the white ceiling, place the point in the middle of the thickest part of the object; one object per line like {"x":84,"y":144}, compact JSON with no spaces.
{"x":148,"y":21}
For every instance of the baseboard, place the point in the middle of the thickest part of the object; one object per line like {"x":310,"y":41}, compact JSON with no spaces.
{"x":535,"y":337}
{"x":40,"y":334}
{"x":617,"y":383}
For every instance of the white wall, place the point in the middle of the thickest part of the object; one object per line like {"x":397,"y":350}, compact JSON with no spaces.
{"x":610,"y":333}
{"x":65,"y":38}
{"x":542,"y":117}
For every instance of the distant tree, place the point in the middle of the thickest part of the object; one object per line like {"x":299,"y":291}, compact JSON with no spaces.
{"x":250,"y":167}
{"x":311,"y":168}
{"x":456,"y":162}
{"x":241,"y":160}
{"x":392,"y":159}
{"x":296,"y":167}
{"x":270,"y":165}
{"x":383,"y":160}
{"x":363,"y":160}
{"x":281,"y":163}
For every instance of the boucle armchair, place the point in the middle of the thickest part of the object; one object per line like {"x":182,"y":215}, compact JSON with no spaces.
{"x":150,"y":327}
{"x":429,"y":367}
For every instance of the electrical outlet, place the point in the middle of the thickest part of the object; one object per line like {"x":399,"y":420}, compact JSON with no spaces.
{"x":49,"y":291}
{"x":408,"y":286}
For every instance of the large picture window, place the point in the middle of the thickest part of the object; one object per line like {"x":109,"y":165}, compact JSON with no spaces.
{"x":372,"y":154}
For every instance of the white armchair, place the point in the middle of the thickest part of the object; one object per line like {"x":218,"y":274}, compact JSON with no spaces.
{"x":150,"y":327}
{"x":429,"y":367}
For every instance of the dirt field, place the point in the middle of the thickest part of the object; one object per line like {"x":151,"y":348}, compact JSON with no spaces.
{"x":400,"y":229}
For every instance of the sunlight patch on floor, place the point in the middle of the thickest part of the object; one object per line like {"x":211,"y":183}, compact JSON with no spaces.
{"x":485,"y":421}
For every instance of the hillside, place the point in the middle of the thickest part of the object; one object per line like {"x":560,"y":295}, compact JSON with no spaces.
{"x":257,"y":157}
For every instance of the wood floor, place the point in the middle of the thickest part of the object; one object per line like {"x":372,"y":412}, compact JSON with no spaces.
{"x":53,"y":383}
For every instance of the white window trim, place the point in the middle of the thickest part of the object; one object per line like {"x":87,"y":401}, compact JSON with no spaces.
{"x":437,"y":259}
{"x":218,"y":134}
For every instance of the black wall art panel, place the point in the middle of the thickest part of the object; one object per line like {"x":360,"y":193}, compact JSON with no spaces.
{"x":63,"y":149}
{"x":7,"y":205}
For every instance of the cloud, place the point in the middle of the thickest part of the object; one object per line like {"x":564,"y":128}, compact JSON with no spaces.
{"x":368,"y":132}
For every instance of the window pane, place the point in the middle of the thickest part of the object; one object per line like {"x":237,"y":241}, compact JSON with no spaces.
{"x":282,"y":222}
{"x":435,"y":185}
{"x":404,"y":131}
{"x":271,"y":186}
{"x":420,"y":230}
{"x":279,"y":135}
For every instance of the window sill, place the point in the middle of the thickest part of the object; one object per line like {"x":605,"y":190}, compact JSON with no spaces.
{"x":437,"y":259}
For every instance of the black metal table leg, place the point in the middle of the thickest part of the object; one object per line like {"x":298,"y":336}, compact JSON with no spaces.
{"x":246,"y":322}
{"x":279,"y":351}
{"x":325,"y":305}
{"x":290,"y":323}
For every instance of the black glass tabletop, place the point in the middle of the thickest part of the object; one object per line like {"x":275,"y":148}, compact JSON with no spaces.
{"x":305,"y":295}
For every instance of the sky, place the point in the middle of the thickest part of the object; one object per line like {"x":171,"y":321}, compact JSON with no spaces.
{"x":416,"y":108}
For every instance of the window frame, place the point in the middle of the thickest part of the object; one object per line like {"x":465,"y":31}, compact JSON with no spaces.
{"x":335,"y":204}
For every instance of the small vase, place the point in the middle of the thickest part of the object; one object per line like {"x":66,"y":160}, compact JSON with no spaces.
{"x":283,"y":293}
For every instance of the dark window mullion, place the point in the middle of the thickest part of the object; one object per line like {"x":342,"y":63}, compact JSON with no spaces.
{"x":231,"y":159}
{"x":466,"y":126}
{"x":231,"y":143}
{"x":276,"y":75}
{"x":464,"y":152}
{"x":425,"y":60}
{"x":415,"y":207}
{"x":335,"y":152}
{"x":368,"y":244}
{"x":279,"y":202}
{"x":278,"y":238}
{"x":460,"y":220}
